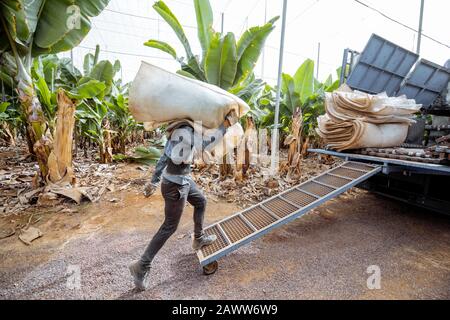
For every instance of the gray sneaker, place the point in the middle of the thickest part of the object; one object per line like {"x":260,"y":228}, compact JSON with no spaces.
{"x":140,"y":276}
{"x":203,"y":242}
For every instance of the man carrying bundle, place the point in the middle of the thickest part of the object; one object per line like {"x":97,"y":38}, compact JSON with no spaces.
{"x":177,"y":188}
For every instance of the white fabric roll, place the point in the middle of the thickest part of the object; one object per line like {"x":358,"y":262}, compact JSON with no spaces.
{"x":159,"y":97}
{"x":356,"y":120}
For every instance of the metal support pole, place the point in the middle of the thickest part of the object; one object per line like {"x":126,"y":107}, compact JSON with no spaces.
{"x":223,"y":21}
{"x":71,"y":58}
{"x":275,"y":135}
{"x":318,"y":61}
{"x":344,"y":67}
{"x":419,"y":38}
{"x":263,"y":60}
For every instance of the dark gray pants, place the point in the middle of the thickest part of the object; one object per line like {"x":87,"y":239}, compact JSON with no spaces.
{"x":175,"y":197}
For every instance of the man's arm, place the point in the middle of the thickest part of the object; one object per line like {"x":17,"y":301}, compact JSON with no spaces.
{"x":151,"y":186}
{"x":160,"y":166}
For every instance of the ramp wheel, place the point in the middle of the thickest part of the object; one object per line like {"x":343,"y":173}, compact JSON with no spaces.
{"x":211,"y":268}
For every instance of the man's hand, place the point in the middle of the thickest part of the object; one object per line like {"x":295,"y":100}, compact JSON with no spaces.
{"x":149,"y":189}
{"x":231,"y":119}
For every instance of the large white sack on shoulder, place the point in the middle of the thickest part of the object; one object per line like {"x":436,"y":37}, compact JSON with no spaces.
{"x":158,"y":96}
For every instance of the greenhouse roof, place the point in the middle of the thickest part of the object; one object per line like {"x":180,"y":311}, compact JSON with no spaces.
{"x":124,"y":26}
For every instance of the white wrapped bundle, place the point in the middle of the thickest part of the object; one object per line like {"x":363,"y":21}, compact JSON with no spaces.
{"x":357,"y":134}
{"x":160,"y":97}
{"x":356,"y":120}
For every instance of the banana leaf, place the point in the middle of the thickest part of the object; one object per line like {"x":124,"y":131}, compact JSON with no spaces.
{"x":173,"y":22}
{"x":87,"y":90}
{"x":304,"y":80}
{"x":103,"y":72}
{"x":163,"y":46}
{"x":291,"y":98}
{"x":249,"y":48}
{"x":90,"y":60}
{"x":145,"y":156}
{"x":204,"y":15}
{"x":4,"y":106}
{"x":63,"y":24}
{"x":221,"y":61}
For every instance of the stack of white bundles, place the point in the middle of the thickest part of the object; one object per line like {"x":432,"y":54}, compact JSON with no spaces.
{"x":356,"y":120}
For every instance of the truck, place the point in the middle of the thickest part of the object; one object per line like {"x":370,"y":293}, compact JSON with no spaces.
{"x":383,"y":66}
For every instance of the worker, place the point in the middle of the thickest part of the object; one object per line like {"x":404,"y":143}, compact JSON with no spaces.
{"x":177,"y":188}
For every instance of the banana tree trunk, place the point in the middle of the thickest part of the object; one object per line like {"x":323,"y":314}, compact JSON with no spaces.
{"x":38,"y":143}
{"x":123,"y":144}
{"x":295,"y":143}
{"x":9,"y":134}
{"x":225,"y":168}
{"x":105,"y":147}
{"x":246,"y":149}
{"x":305,"y":147}
{"x":60,"y":158}
{"x":31,"y":107}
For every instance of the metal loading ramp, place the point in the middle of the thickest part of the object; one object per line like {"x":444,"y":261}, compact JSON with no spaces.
{"x":254,"y":222}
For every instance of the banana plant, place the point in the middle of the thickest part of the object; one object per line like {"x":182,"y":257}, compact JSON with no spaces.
{"x":92,"y":117}
{"x":31,"y":28}
{"x":301,"y":104}
{"x":300,"y":92}
{"x":305,"y":93}
{"x":104,"y":118}
{"x":51,"y":73}
{"x":223,"y":61}
{"x":120,"y":117}
{"x":9,"y":120}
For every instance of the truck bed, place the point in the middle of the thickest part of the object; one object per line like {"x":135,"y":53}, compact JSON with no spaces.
{"x":420,"y":184}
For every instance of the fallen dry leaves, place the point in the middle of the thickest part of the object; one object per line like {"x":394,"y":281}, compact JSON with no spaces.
{"x":259,"y":183}
{"x":21,"y":199}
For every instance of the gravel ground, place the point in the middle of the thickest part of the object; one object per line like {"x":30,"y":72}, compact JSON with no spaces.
{"x":324,"y":255}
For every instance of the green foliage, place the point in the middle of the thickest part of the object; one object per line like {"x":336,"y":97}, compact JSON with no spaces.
{"x":162,"y":46}
{"x":3,"y":107}
{"x":49,"y":74}
{"x":88,"y":89}
{"x":141,"y":155}
{"x":250,"y":46}
{"x":100,"y":95}
{"x":301,"y":92}
{"x":120,"y":117}
{"x":104,"y":106}
{"x":223,"y":61}
{"x":41,"y":27}
{"x":10,"y":118}
{"x":304,"y":80}
{"x":32,"y":28}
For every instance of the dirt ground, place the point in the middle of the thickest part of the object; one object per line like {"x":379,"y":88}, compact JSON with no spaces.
{"x":324,"y":255}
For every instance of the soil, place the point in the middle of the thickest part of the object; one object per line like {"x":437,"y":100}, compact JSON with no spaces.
{"x":324,"y":255}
